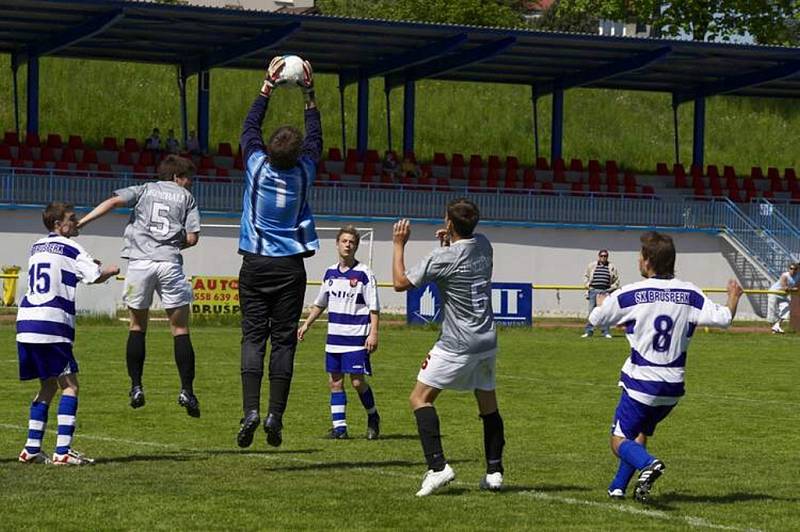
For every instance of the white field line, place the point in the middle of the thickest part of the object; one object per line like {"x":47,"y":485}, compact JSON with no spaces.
{"x":697,"y":522}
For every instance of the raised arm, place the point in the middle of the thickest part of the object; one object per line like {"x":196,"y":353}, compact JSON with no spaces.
{"x":114,"y":202}
{"x":252,"y":139}
{"x":312,"y":143}
{"x":400,"y":234}
{"x":735,"y":292}
{"x":106,"y":273}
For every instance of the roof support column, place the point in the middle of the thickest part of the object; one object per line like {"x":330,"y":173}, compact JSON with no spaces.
{"x":14,"y":70}
{"x":387,"y":89}
{"x":699,"y":138}
{"x":557,"y":127}
{"x":675,"y":129}
{"x":184,"y":112}
{"x":342,"y":87}
{"x":362,"y":125}
{"x":32,"y":103}
{"x":535,"y":105}
{"x":409,"y":105}
{"x":203,"y":108}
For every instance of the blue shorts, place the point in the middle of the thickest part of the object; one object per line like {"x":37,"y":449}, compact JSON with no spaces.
{"x":633,"y":417}
{"x":45,"y":361}
{"x":353,"y":363}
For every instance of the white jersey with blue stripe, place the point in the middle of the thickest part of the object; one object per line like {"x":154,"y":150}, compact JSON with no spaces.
{"x":276,"y":217}
{"x":660,"y":316}
{"x":350,"y":296}
{"x":47,"y":312}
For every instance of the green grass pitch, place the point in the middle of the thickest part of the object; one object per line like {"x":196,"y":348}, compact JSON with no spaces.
{"x":731,"y":446}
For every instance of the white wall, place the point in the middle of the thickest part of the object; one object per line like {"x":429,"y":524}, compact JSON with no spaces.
{"x":537,"y":255}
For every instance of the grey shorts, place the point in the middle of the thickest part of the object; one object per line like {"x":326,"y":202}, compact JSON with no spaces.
{"x":145,"y":277}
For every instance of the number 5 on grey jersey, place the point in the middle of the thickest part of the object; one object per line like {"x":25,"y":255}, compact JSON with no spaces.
{"x":162,"y":213}
{"x":463,"y":273}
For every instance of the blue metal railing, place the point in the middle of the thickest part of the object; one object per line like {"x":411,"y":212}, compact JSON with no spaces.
{"x":771,"y":218}
{"x":556,"y":207}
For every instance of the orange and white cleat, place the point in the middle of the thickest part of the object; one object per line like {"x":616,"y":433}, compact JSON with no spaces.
{"x":73,"y":458}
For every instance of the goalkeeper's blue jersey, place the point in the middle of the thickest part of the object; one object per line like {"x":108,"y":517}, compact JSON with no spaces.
{"x":276,"y":216}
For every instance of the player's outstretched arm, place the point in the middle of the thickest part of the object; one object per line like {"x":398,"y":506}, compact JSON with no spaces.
{"x":106,"y":273}
{"x":114,"y":202}
{"x":400,"y":233}
{"x":313,"y":314}
{"x":251,"y":139}
{"x":312,"y":143}
{"x":735,"y":292}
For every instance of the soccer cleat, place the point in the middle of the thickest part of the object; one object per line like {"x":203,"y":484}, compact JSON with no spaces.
{"x":607,"y":335}
{"x":190,"y":403}
{"x":273,"y":427}
{"x":338,"y":434}
{"x":492,"y":482}
{"x":434,"y":480}
{"x":373,"y":426}
{"x":73,"y":458}
{"x":616,"y":494}
{"x":586,"y":335}
{"x":137,"y":397}
{"x":33,"y":458}
{"x":647,"y":478}
{"x":776,"y":329}
{"x":247,"y":428}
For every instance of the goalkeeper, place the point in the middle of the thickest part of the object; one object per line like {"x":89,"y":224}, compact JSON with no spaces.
{"x":277,"y":233}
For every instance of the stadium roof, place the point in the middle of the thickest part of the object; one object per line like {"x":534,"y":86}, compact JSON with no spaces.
{"x":202,"y":38}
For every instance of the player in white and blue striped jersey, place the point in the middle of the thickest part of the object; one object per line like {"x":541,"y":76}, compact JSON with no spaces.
{"x":660,"y":315}
{"x":350,"y":294}
{"x":46,"y":330}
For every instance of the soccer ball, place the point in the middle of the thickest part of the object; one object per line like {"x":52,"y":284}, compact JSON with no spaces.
{"x":292,"y":73}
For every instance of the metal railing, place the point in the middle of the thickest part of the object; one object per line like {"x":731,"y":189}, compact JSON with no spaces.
{"x":556,"y":207}
{"x":771,"y":218}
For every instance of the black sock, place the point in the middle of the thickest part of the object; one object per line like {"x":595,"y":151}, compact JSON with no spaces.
{"x":184,"y":359}
{"x":493,"y":442}
{"x":278,"y":395}
{"x":251,"y":391}
{"x":430,"y":437}
{"x":134,"y":354}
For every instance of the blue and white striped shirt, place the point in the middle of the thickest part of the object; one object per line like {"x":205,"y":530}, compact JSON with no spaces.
{"x":350,"y":296}
{"x":276,"y":216}
{"x":47,"y":312}
{"x":660,"y":316}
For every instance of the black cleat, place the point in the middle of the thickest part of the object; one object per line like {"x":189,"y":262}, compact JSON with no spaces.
{"x":338,"y":434}
{"x":647,"y":478}
{"x":247,"y":428}
{"x":190,"y":403}
{"x":137,"y":397}
{"x":273,"y":428}
{"x":373,"y":426}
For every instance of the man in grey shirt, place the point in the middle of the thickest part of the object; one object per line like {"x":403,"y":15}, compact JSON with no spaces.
{"x":463,"y":358}
{"x":164,"y":220}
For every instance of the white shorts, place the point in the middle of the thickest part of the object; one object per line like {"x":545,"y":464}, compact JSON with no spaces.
{"x":777,"y":307}
{"x":447,"y":371}
{"x":146,"y":276}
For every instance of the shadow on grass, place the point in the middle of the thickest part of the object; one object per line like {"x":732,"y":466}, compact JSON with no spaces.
{"x":184,"y":457}
{"x":265,"y":452}
{"x":727,"y":498}
{"x":398,"y":437}
{"x":543,"y":488}
{"x":317,"y":466}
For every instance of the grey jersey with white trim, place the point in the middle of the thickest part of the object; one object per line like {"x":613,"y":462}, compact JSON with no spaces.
{"x":162,"y":212}
{"x":463,"y":274}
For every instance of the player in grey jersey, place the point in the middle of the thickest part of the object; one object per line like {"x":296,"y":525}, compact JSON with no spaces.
{"x":164,"y":220}
{"x":464,"y":356}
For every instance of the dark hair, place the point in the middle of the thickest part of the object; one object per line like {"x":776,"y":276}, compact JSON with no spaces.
{"x":55,"y":212}
{"x":602,"y":251}
{"x":349,"y":229}
{"x":659,"y":252}
{"x":464,"y":214}
{"x":284,"y":147}
{"x":172,"y":165}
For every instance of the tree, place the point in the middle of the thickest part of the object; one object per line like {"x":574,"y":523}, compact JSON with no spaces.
{"x":768,"y":21}
{"x":555,"y":19}
{"x":474,"y":12}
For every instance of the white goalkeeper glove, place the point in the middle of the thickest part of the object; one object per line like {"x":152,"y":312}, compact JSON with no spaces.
{"x":272,"y":75}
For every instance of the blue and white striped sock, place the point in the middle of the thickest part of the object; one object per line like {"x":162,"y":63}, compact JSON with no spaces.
{"x":368,"y":400}
{"x":338,"y":407}
{"x":67,"y":408}
{"x":36,"y":426}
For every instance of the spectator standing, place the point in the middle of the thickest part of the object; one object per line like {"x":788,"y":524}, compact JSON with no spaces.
{"x":171,"y":144}
{"x":153,"y":142}
{"x":778,"y":304}
{"x":192,"y":144}
{"x":600,"y":278}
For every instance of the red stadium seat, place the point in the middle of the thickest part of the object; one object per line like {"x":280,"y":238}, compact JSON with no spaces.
{"x":110,"y":144}
{"x":61,"y":166}
{"x":333,"y":177}
{"x":334,"y":154}
{"x":734,"y":195}
{"x":559,"y":170}
{"x":442,"y":184}
{"x":756,"y":173}
{"x":750,"y":186}
{"x":630,"y":181}
{"x":352,"y":155}
{"x":541,"y":164}
{"x":775,"y":184}
{"x":773,"y":172}
{"x":11,"y":138}
{"x":131,"y":145}
{"x":662,"y":169}
{"x":223,"y":172}
{"x":512,"y":162}
{"x":493,"y":176}
{"x":47,"y":154}
{"x":715,"y":185}
{"x":728,"y":172}
{"x":25,"y":152}
{"x":648,"y":190}
{"x":474,"y":173}
{"x":238,"y":164}
{"x":457,"y":171}
{"x":611,"y":167}
{"x":547,"y":188}
{"x":712,"y":171}
{"x":54,"y":140}
{"x":368,"y":170}
{"x":510,"y":175}
{"x":593,"y":166}
{"x":5,"y":152}
{"x":439,"y":159}
{"x":494,"y":161}
{"x":68,"y":155}
{"x":789,"y":173}
{"x":528,"y":178}
{"x":140,"y":169}
{"x":206,"y":163}
{"x":89,"y":156}
{"x":104,"y":167}
{"x":75,"y":142}
{"x":612,"y":185}
{"x":594,"y":182}
{"x":83,"y":167}
{"x":350,"y":166}
{"x":146,"y":158}
{"x":576,"y":189}
{"x":475,"y":161}
{"x":576,"y":165}
{"x":224,"y":149}
{"x":125,"y":158}
{"x":32,"y":140}
{"x":372,"y":156}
